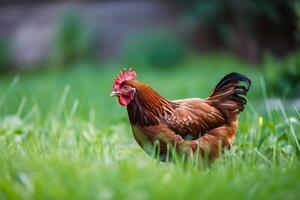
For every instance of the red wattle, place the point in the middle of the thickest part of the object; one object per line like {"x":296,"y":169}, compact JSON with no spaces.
{"x":124,"y":100}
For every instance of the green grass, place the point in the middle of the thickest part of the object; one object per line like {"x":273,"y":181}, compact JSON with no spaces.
{"x":63,"y":137}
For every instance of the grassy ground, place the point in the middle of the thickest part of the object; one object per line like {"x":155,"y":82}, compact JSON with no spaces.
{"x":63,"y":137}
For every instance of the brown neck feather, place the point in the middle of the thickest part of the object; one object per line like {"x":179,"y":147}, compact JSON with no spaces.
{"x":148,"y":106}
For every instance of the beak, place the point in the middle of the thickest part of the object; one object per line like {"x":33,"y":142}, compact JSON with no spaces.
{"x":114,"y":93}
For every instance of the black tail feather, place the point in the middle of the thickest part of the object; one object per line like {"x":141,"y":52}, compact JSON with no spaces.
{"x":233,"y":77}
{"x":234,"y":87}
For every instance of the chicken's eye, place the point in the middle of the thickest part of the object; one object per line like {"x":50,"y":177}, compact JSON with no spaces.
{"x":125,"y":86}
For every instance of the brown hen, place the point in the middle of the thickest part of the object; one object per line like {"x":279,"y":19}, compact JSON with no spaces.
{"x":189,"y":125}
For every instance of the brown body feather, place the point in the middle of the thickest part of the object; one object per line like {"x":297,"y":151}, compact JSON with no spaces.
{"x":190,"y":124}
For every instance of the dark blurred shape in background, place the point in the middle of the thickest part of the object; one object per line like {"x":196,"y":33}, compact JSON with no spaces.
{"x":34,"y":32}
{"x":247,"y":27}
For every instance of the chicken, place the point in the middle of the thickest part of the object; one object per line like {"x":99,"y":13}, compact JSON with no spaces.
{"x":190,"y":125}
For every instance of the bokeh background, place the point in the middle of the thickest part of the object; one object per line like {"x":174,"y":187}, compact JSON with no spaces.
{"x":37,"y":32}
{"x":63,"y":137}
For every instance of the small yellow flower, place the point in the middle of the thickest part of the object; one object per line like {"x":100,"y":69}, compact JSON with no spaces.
{"x":260,"y":121}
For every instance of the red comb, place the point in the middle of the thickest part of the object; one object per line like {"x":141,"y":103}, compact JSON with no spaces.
{"x":124,"y":75}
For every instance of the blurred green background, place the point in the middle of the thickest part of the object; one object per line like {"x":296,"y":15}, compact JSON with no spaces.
{"x":62,"y":136}
{"x":163,"y":36}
